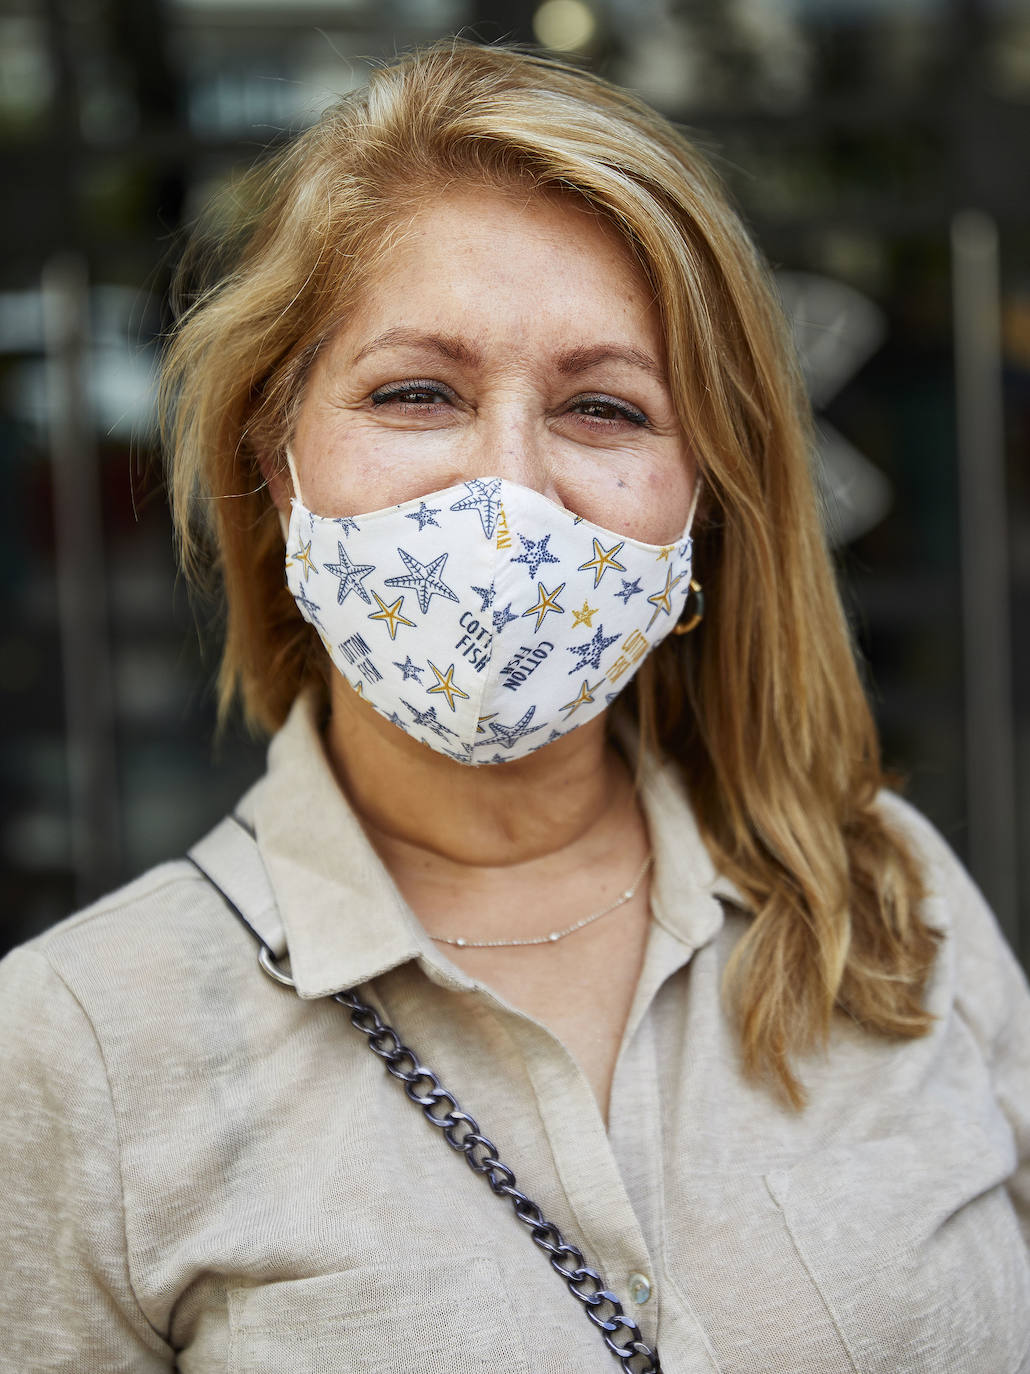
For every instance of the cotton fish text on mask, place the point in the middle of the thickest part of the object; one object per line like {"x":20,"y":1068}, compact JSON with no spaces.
{"x":475,"y":642}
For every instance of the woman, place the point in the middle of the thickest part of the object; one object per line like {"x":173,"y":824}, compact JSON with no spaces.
{"x":494,"y":370}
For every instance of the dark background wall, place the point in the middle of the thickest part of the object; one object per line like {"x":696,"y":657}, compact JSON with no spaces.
{"x":877,"y":147}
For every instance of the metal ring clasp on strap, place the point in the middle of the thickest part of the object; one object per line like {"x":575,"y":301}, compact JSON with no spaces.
{"x":267,"y":961}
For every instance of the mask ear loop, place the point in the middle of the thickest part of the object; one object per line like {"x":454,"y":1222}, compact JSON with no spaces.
{"x":691,"y":620}
{"x":293,"y":475}
{"x":284,"y":519}
{"x":693,"y":504}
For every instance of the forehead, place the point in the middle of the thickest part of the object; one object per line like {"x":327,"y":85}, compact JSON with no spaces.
{"x":504,"y":264}
{"x":544,"y":212}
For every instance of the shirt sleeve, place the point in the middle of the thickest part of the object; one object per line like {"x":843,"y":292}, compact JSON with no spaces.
{"x":990,"y":991}
{"x":66,"y":1298}
{"x":992,"y":996}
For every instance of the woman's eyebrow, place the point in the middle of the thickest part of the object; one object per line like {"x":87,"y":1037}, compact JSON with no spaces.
{"x":578,"y":360}
{"x":456,"y":350}
{"x":570,"y":363}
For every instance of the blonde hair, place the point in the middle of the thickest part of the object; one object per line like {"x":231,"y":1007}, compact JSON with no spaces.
{"x":762,"y":708}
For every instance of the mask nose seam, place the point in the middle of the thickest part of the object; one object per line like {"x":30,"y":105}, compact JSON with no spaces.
{"x":492,"y":674}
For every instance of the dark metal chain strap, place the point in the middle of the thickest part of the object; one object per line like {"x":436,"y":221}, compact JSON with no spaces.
{"x":620,"y":1333}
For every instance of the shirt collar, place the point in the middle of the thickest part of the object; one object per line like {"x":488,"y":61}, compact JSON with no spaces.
{"x":344,"y":918}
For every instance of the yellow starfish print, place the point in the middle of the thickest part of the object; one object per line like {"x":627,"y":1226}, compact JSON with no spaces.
{"x":664,"y":553}
{"x":603,"y":559}
{"x":446,"y":686}
{"x":583,"y":699}
{"x":303,"y":557}
{"x":585,"y":616}
{"x":390,"y":615}
{"x":546,"y":601}
{"x":661,"y":601}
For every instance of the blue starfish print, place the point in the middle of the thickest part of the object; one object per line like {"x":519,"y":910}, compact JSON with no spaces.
{"x":409,"y":669}
{"x":347,"y":525}
{"x":629,"y":589}
{"x":487,"y":593}
{"x":308,"y":608}
{"x":591,"y":652}
{"x":485,"y":499}
{"x":427,"y":719}
{"x":502,"y":618}
{"x":423,"y":578}
{"x":424,"y":516}
{"x":464,"y":757}
{"x":350,"y":575}
{"x":534,"y":553}
{"x":509,"y":735}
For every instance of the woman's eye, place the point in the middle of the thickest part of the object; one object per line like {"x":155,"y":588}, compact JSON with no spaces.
{"x":607,"y":410}
{"x":418,"y":394}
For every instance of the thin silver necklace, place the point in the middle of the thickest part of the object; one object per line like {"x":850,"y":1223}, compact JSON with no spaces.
{"x":620,"y":900}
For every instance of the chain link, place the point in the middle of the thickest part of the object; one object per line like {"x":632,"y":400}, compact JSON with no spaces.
{"x":620,"y":1333}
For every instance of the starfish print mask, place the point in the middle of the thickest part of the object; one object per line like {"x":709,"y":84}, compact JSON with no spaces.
{"x":461,"y":615}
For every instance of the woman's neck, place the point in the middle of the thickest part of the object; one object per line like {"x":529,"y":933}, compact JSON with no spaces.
{"x":417,"y":802}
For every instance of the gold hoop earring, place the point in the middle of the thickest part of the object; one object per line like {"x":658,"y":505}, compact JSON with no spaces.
{"x":687,"y":623}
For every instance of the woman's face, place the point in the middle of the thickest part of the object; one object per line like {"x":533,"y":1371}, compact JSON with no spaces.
{"x":503,"y":336}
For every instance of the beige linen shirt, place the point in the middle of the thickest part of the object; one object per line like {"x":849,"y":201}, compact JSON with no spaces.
{"x":203,"y":1171}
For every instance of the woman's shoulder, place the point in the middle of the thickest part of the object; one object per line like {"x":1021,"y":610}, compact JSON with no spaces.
{"x":167,"y":913}
{"x":977,"y":972}
{"x":159,"y":948}
{"x":947,"y":885}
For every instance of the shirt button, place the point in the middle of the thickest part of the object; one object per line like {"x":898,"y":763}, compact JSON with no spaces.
{"x":639,"y":1288}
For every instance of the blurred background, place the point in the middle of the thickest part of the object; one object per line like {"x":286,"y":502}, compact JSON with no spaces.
{"x":879,"y":150}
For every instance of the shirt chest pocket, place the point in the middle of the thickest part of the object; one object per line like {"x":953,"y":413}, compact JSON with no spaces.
{"x":915,"y":1249}
{"x":383,"y":1319}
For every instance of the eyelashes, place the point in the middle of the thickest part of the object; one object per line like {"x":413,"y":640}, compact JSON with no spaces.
{"x":414,"y":393}
{"x":593,"y":405}
{"x":423,"y":396}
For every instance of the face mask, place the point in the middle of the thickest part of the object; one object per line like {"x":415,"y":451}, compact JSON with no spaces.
{"x":484,"y":620}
